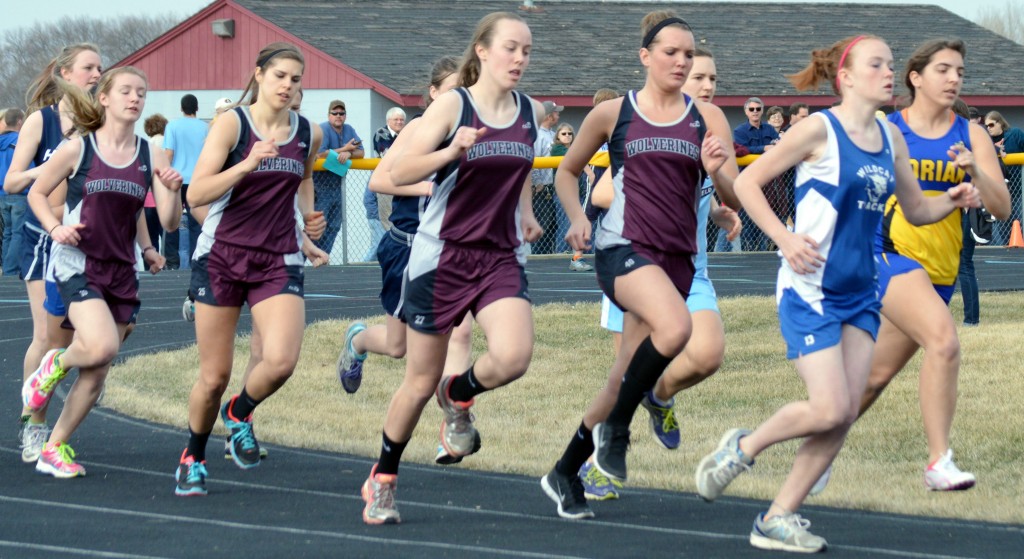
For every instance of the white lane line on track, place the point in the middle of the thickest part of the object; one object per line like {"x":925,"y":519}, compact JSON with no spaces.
{"x":76,"y":550}
{"x":264,"y":528}
{"x":458,"y":472}
{"x":476,"y":510}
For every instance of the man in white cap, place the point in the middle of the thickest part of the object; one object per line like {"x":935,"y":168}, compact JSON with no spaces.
{"x":543,"y":180}
{"x":221,"y":105}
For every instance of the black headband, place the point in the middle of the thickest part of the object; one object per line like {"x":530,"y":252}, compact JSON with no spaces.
{"x":649,"y":37}
{"x":261,"y":62}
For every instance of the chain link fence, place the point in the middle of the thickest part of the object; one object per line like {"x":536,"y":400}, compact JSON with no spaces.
{"x":355,"y":226}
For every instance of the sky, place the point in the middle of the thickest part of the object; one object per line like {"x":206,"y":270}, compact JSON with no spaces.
{"x":17,"y":13}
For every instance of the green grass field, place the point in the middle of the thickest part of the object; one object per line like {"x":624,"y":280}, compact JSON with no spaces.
{"x":525,"y":425}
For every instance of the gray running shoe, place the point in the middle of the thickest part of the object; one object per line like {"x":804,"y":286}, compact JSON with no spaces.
{"x":567,"y":493}
{"x":786,"y":533}
{"x":33,"y":437}
{"x":717,"y":470}
{"x":458,"y":436}
{"x":580,"y":266}
{"x":822,"y":482}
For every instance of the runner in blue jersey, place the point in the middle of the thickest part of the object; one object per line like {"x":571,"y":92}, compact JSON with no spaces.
{"x":108,"y":171}
{"x":703,"y":354}
{"x":466,"y":256}
{"x":408,"y":206}
{"x":662,"y":143}
{"x":255,"y":174}
{"x":848,"y":163}
{"x":44,"y":129}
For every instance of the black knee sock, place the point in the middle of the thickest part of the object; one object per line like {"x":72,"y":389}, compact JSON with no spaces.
{"x":390,"y":456}
{"x":580,"y":448}
{"x":197,"y":445}
{"x":641,"y":375}
{"x":244,"y":405}
{"x":465,"y":387}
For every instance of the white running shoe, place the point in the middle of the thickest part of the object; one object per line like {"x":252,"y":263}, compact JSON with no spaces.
{"x":943,"y":475}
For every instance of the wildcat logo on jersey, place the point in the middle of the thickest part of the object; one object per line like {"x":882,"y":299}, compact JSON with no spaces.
{"x":878,"y":184}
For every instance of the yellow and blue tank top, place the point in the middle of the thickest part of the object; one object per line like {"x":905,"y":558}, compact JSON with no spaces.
{"x":936,"y":246}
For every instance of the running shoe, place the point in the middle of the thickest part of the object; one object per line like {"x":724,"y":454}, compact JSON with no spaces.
{"x":458,"y":436}
{"x":611,"y":442}
{"x":227,"y":450}
{"x":36,"y":391}
{"x":350,"y":363}
{"x":245,"y":450}
{"x":379,"y":495}
{"x":188,"y":309}
{"x":33,"y":438}
{"x":580,"y":265}
{"x":445,"y":459}
{"x":717,"y":470}
{"x":786,"y":533}
{"x":663,"y":421}
{"x":58,"y":460}
{"x":597,"y":486}
{"x":567,"y":493}
{"x":191,"y":477}
{"x":820,"y":485}
{"x":943,"y":475}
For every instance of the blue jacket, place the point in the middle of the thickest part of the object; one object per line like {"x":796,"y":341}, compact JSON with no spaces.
{"x":7,"y":142}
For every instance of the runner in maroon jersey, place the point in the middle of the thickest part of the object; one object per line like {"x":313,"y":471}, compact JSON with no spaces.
{"x":466,"y":253}
{"x":253,"y":172}
{"x":108,"y":171}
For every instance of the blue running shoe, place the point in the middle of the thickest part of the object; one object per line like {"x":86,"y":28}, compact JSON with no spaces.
{"x":191,"y":477}
{"x":597,"y":486}
{"x":663,"y":421}
{"x":350,"y":363}
{"x":245,"y":450}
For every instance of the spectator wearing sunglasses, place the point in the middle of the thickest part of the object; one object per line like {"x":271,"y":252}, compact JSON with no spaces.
{"x":341,"y":142}
{"x":1008,"y":140}
{"x":758,"y":136}
{"x":564,"y":135}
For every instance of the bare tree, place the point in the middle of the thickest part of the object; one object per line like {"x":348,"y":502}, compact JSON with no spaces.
{"x":27,"y":50}
{"x":1007,"y":20}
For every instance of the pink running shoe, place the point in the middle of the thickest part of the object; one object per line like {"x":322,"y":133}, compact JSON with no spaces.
{"x":379,"y":495}
{"x":58,"y":460}
{"x":36,"y":391}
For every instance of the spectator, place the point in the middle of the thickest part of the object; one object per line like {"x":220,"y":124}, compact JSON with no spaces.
{"x":382,"y":142}
{"x":297,"y":101}
{"x":154,"y":127}
{"x":12,"y":206}
{"x":341,"y":142}
{"x":183,"y":140}
{"x":544,"y":180}
{"x":564,"y":135}
{"x":974,"y":116}
{"x":386,"y":135}
{"x":776,"y":119}
{"x":971,"y":219}
{"x":221,"y":105}
{"x":1007,"y":140}
{"x":797,"y":112}
{"x":759,"y":137}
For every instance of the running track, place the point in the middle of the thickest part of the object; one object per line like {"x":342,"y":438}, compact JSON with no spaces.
{"x":303,"y":503}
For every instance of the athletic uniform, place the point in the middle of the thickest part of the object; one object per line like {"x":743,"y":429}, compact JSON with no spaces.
{"x":903,"y":247}
{"x":702,"y":295}
{"x":656,"y":172}
{"x":36,"y":244}
{"x":467,"y":251}
{"x":839,"y":202}
{"x":108,"y":200}
{"x":395,"y":247}
{"x":250,"y":248}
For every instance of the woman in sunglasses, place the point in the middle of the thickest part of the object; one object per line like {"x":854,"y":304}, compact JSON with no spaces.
{"x":564,"y":135}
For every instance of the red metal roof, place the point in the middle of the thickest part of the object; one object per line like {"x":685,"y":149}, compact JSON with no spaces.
{"x":191,"y":57}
